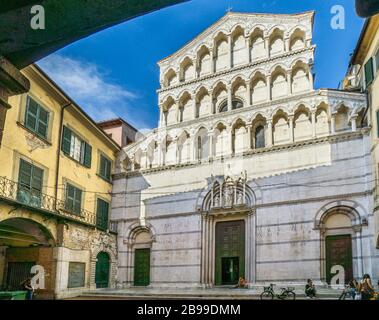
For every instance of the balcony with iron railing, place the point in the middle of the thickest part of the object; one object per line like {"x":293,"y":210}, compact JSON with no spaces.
{"x":24,"y":196}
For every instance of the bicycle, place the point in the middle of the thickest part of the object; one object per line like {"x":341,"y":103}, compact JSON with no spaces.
{"x":346,"y":292}
{"x":286,"y":293}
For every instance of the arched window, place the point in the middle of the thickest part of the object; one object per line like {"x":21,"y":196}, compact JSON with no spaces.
{"x":236,"y":104}
{"x":199,"y":149}
{"x":259,"y":137}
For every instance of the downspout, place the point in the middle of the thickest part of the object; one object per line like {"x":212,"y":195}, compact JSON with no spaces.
{"x":59,"y":242}
{"x":59,"y":153}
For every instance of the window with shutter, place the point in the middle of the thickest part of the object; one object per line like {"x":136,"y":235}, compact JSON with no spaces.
{"x":30,"y":180}
{"x":76,"y":148}
{"x":73,"y":201}
{"x":36,"y":118}
{"x":102,"y":214}
{"x":377,"y":123}
{"x":369,"y":72}
{"x":377,"y":62}
{"x":105,"y":168}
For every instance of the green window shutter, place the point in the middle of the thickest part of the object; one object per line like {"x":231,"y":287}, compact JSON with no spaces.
{"x":78,"y":201}
{"x":31,"y":114}
{"x":105,"y":168}
{"x":73,"y":201}
{"x":377,"y":123}
{"x":37,"y":179}
{"x":369,"y":72}
{"x":25,"y":174}
{"x":102,"y":214}
{"x":87,"y":155}
{"x":43,"y":122}
{"x":66,"y":140}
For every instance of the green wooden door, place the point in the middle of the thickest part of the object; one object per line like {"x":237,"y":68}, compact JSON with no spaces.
{"x":102,"y":270}
{"x":142,"y":267}
{"x":230,"y":252}
{"x":339,"y":252}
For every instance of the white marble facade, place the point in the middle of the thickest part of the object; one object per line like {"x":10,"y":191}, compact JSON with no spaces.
{"x":244,"y":136}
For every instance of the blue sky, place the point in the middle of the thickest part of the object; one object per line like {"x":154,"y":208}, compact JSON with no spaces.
{"x":114,"y":72}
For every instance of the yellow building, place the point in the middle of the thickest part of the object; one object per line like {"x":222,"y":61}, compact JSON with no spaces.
{"x":55,"y":193}
{"x":363,"y":75}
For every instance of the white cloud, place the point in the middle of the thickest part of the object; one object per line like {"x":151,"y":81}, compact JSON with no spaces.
{"x":83,"y":81}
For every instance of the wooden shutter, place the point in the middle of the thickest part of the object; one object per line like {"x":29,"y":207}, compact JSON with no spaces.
{"x":43,"y":121}
{"x":369,"y":72}
{"x":66,"y":140}
{"x":37,"y":179}
{"x":377,"y":123}
{"x":87,"y":155}
{"x":102,"y":214}
{"x":25,"y":174}
{"x":77,"y":201}
{"x":31,"y":114}
{"x":105,"y":168}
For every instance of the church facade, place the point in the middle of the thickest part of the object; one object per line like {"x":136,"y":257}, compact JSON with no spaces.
{"x":252,"y":172}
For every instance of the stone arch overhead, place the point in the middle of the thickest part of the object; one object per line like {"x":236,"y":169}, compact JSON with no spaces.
{"x":299,"y":104}
{"x":166,"y":97}
{"x":235,"y":78}
{"x":239,"y":118}
{"x":236,"y":26}
{"x":278,"y":65}
{"x":102,"y":248}
{"x":182,"y":93}
{"x":301,"y":27}
{"x":262,"y":71}
{"x":352,"y":209}
{"x":19,"y":213}
{"x":256,"y":115}
{"x":338,"y":105}
{"x":217,"y":82}
{"x":255,"y":27}
{"x":186,"y":57}
{"x":202,"y":45}
{"x":299,"y":60}
{"x":280,"y":27}
{"x":200,"y":126}
{"x":200,"y":87}
{"x":358,"y":109}
{"x":168,"y":69}
{"x":219,"y":32}
{"x":136,"y":228}
{"x":284,"y":109}
{"x":223,"y":122}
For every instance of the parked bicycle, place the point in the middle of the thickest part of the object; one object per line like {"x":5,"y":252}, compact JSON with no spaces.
{"x":286,"y":293}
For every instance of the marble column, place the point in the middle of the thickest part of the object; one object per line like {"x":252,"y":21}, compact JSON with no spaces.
{"x":333,"y":124}
{"x":248,"y":58}
{"x":289,"y":83}
{"x":248,"y":93}
{"x":210,"y":137}
{"x":250,"y":248}
{"x":313,"y":117}
{"x":269,"y":133}
{"x":267,"y":47}
{"x":230,"y":46}
{"x":230,"y":97}
{"x":268,"y":86}
{"x":290,"y":125}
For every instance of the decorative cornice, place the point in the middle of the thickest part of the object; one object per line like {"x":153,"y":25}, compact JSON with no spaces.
{"x":296,"y":145}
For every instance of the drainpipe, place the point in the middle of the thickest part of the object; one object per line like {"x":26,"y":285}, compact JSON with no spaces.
{"x":59,"y":153}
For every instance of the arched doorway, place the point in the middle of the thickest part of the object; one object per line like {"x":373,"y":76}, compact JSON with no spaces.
{"x":102,"y":270}
{"x":340,"y":230}
{"x":25,"y":243}
{"x":142,"y":257}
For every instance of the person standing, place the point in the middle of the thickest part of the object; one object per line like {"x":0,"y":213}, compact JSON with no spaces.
{"x":27,"y":286}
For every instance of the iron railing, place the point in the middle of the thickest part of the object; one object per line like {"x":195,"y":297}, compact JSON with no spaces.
{"x":28,"y":197}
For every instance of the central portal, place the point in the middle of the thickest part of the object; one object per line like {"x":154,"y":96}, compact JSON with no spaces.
{"x":230,"y":252}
